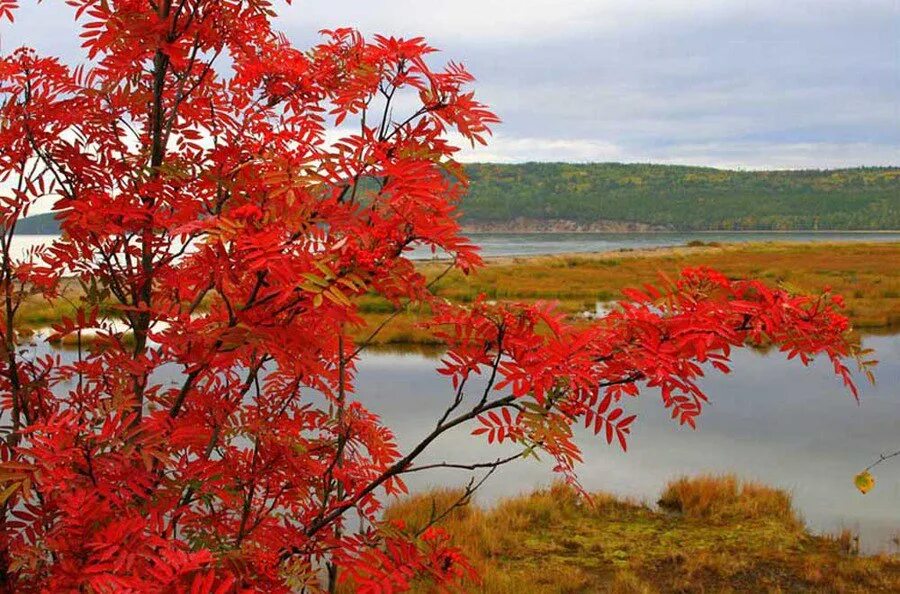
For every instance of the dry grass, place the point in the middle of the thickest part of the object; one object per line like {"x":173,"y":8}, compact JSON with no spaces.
{"x":725,"y":498}
{"x":866,"y":274}
{"x":733,"y":536}
{"x":405,"y":329}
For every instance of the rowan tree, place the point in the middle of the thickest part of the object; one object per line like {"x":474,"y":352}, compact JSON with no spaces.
{"x":225,"y":201}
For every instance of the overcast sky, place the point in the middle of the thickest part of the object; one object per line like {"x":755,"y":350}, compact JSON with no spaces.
{"x":727,"y":83}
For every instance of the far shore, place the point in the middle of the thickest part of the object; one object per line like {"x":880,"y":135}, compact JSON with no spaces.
{"x":866,"y":274}
{"x":528,"y":226}
{"x":474,"y":231}
{"x":684,"y":250}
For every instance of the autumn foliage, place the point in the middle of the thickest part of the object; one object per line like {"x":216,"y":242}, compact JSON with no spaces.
{"x":233,"y":196}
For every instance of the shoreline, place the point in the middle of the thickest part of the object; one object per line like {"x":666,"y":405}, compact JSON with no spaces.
{"x":865,"y":273}
{"x":470,"y":231}
{"x":669,"y":250}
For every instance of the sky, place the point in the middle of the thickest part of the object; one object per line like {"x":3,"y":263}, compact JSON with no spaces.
{"x":749,"y":84}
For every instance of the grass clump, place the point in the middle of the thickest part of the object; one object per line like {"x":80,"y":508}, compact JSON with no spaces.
{"x":730,"y":536}
{"x":726,"y":498}
{"x":699,"y":243}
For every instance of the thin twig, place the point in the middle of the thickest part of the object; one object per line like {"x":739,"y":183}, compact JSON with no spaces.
{"x":882,"y":458}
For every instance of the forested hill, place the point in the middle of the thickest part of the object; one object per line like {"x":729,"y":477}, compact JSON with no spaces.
{"x":613,"y":196}
{"x":684,"y":198}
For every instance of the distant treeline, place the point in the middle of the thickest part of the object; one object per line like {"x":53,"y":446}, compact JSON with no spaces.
{"x":675,"y":197}
{"x":686,"y":198}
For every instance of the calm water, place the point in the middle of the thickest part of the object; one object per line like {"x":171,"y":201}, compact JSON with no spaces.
{"x":510,"y":244}
{"x":503,"y":244}
{"x":770,"y":420}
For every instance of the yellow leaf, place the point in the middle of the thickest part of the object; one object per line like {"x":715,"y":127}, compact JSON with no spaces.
{"x":310,"y":288}
{"x":337,"y":297}
{"x":347,"y":283}
{"x":864,"y":481}
{"x":7,"y":493}
{"x":318,"y":281}
{"x":329,"y":274}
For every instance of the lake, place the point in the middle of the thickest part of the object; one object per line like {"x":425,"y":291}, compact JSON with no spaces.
{"x":770,"y":420}
{"x":525,"y":244}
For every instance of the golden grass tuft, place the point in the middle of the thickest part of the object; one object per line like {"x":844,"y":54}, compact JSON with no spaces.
{"x":726,"y":498}
{"x":418,"y":510}
{"x":847,"y":540}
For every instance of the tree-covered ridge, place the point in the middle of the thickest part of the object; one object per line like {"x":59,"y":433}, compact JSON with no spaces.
{"x":684,"y":198}
{"x":688,"y":198}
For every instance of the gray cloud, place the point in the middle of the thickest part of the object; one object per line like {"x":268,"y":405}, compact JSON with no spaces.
{"x":750,"y":83}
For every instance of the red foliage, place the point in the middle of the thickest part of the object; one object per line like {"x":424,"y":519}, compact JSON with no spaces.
{"x":566,"y":375}
{"x":232,"y":216}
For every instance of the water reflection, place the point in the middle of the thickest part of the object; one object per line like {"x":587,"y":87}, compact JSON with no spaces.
{"x":770,"y":420}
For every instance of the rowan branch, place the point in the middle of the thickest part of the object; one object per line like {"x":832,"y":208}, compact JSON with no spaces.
{"x":881,"y":459}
